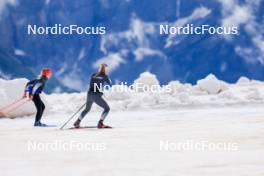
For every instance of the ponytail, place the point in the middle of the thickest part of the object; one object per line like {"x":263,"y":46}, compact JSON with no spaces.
{"x":102,"y":70}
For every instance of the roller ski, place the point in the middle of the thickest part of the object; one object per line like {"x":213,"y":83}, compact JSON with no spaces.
{"x":100,"y":125}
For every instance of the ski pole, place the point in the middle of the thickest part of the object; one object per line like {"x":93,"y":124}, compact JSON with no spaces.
{"x":2,"y":114}
{"x":11,"y":108}
{"x":17,"y":105}
{"x":10,"y":105}
{"x":72,"y":116}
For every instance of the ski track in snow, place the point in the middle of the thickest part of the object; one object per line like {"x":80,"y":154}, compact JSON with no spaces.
{"x":133,"y":146}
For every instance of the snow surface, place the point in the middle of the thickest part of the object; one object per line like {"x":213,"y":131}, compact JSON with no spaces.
{"x":133,"y":146}
{"x":211,"y":111}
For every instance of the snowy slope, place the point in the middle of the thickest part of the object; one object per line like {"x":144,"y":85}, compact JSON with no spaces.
{"x":133,"y":146}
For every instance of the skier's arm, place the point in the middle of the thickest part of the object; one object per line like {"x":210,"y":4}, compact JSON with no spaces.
{"x":108,"y":81}
{"x":26,"y":90}
{"x":24,"y":95}
{"x":35,"y":88}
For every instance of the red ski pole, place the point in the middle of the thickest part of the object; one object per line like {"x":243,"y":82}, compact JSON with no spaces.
{"x":2,"y":114}
{"x":13,"y":107}
{"x":10,"y":105}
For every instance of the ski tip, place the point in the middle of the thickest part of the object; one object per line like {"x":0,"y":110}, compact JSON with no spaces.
{"x":52,"y":126}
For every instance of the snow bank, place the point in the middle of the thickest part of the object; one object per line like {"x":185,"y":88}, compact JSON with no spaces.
{"x":212,"y":85}
{"x":208,"y":92}
{"x":243,"y":81}
{"x":147,"y":79}
{"x":11,"y":90}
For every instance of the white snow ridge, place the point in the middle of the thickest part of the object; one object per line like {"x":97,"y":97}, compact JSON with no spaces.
{"x":208,"y":92}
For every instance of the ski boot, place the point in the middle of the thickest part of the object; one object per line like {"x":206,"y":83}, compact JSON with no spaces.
{"x":77,"y":123}
{"x":39,"y":124}
{"x":102,"y":125}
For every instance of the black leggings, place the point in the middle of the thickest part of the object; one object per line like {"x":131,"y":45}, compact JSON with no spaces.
{"x":40,"y":107}
{"x":94,"y":97}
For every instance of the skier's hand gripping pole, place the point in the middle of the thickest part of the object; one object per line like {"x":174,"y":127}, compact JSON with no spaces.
{"x":72,"y":116}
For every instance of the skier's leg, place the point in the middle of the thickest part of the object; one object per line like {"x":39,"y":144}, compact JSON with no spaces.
{"x":38,"y":103}
{"x":103,"y":104}
{"x":42,"y":109}
{"x":89,"y":103}
{"x":88,"y":106}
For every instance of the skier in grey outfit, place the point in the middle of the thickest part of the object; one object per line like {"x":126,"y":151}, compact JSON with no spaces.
{"x":94,"y":95}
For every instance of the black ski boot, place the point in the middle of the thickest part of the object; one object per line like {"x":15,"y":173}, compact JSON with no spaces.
{"x":102,"y":125}
{"x":77,"y":123}
{"x":39,"y":124}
